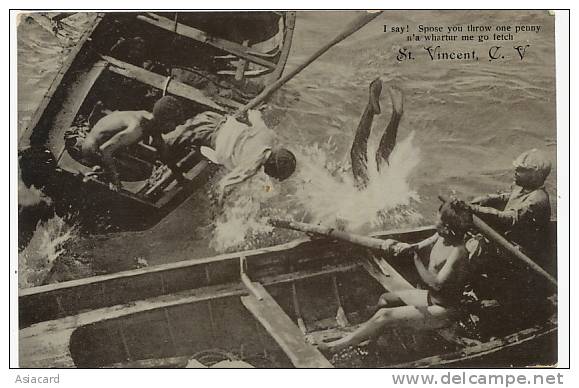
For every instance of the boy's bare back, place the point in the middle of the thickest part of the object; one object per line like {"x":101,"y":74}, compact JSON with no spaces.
{"x":114,"y":123}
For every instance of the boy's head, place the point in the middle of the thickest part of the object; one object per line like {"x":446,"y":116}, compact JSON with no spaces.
{"x":531,"y":169}
{"x":454,"y":220}
{"x":167,"y":113}
{"x":281,"y":164}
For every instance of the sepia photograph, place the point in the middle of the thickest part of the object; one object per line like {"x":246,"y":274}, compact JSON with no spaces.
{"x":287,"y":189}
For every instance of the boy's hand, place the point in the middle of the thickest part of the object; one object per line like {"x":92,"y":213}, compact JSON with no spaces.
{"x":114,"y":187}
{"x":404,"y":248}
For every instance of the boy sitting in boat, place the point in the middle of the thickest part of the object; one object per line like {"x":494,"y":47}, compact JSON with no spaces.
{"x":119,"y":130}
{"x":524,"y":213}
{"x":359,"y":150}
{"x":242,"y":149}
{"x":445,"y":275}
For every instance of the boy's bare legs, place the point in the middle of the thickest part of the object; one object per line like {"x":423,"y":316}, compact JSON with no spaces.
{"x":359,"y":150}
{"x":388,"y":140}
{"x":432,"y":317}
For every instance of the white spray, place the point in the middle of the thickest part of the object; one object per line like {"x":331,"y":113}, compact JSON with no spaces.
{"x":321,"y":191}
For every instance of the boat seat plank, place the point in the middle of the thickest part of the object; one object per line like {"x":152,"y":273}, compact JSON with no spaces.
{"x":201,"y":36}
{"x":283,"y":330}
{"x":246,"y":74}
{"x":190,"y":175}
{"x":158,"y":81}
{"x":385,"y":274}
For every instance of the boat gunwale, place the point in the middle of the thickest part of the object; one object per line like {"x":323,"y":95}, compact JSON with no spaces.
{"x":249,"y":255}
{"x":438,"y":360}
{"x":64,"y":69}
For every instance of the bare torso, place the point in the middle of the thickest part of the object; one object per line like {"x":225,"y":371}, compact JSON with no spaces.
{"x":449,"y":263}
{"x":112,"y":124}
{"x":439,"y":255}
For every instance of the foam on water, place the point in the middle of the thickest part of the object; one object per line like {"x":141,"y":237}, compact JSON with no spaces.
{"x":46,"y":245}
{"x":322,"y":191}
{"x":329,"y":194}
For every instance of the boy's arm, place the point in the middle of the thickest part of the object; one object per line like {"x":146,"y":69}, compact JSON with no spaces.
{"x":528,"y":211}
{"x":131,"y":135}
{"x":427,"y":242}
{"x":493,"y":200}
{"x":401,"y":248}
{"x":163,"y":151}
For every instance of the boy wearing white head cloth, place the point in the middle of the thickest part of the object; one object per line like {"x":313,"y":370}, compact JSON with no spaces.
{"x":524,"y":213}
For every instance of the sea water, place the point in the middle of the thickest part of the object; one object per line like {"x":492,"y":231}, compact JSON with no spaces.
{"x":463,"y":124}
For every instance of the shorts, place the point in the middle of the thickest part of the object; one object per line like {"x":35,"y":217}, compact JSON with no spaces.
{"x":417,"y":298}
{"x":199,"y":131}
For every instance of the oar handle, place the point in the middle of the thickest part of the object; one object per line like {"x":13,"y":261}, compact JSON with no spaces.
{"x":498,"y":239}
{"x":365,"y":241}
{"x":353,"y":27}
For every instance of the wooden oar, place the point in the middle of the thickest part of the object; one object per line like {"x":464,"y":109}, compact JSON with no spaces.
{"x":365,"y":241}
{"x":352,"y":27}
{"x":502,"y":242}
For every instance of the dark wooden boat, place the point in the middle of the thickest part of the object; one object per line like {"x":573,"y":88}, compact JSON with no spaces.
{"x":265,"y":307}
{"x":211,"y":61}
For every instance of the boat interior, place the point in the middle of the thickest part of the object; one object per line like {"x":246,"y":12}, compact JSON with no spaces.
{"x":129,"y":60}
{"x":267,"y":307}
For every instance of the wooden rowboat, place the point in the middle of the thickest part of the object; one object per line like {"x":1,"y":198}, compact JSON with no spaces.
{"x":211,"y":61}
{"x":266,"y":307}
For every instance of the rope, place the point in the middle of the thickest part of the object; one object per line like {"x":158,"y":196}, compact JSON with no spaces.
{"x":176,"y":23}
{"x":166,"y":86}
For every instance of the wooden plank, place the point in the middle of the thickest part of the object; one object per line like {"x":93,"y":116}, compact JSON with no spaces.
{"x":158,"y":81}
{"x":46,"y":344}
{"x":64,"y":69}
{"x":241,"y":66}
{"x":385,"y":274}
{"x":484,"y":349}
{"x":201,"y":36}
{"x":169,"y":362}
{"x":282,"y":329}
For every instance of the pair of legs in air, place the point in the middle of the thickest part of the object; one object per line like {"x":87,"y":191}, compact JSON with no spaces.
{"x":359,"y":151}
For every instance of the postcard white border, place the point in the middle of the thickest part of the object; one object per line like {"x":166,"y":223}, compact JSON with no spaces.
{"x":242,"y":378}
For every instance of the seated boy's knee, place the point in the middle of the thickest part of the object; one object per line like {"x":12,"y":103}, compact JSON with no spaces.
{"x":383,"y":315}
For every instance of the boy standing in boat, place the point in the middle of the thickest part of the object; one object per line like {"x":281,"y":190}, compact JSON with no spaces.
{"x":445,"y":274}
{"x":242,"y":149}
{"x":121,"y":129}
{"x":524,"y":213}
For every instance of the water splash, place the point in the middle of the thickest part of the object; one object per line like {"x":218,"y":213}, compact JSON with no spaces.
{"x":321,"y":191}
{"x":46,"y":245}
{"x":30,"y":196}
{"x":242,"y":222}
{"x":328,"y":192}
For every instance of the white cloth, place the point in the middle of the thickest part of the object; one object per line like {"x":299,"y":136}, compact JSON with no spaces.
{"x":238,"y":145}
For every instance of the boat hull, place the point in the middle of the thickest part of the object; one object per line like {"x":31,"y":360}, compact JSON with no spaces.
{"x":195,"y":65}
{"x":311,"y":289}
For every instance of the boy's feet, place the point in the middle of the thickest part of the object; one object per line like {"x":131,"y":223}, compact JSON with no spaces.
{"x":397,"y":98}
